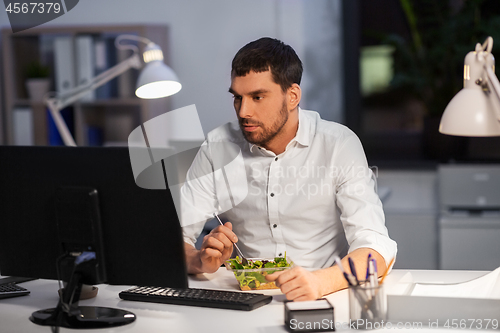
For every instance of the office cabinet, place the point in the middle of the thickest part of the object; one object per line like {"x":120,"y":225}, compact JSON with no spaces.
{"x":417,"y":238}
{"x":411,"y":213}
{"x":469,"y":242}
{"x":115,"y":112}
{"x":469,"y":216}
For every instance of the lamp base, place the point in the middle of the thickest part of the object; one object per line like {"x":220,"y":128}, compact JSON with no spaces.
{"x":83,"y":317}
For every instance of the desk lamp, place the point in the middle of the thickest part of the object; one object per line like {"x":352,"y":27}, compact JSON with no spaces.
{"x":156,"y":80}
{"x":475,"y":110}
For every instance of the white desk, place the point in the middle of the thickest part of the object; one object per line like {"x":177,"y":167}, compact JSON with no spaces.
{"x":151,"y":317}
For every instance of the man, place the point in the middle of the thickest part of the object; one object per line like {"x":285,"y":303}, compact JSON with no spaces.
{"x":310,"y":191}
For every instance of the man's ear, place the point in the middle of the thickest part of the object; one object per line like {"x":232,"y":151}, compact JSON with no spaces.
{"x":294,"y":93}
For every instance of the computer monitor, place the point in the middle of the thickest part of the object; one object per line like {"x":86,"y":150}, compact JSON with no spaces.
{"x":60,"y":200}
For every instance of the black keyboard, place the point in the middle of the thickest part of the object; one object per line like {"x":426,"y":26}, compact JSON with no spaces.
{"x":12,"y":290}
{"x":15,"y":279}
{"x":197,"y":297}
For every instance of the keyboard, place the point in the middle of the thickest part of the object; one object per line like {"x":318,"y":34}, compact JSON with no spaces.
{"x":197,"y":297}
{"x":12,"y":290}
{"x":15,"y":279}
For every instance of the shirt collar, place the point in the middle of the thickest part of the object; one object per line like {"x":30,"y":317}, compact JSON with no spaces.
{"x":302,"y":136}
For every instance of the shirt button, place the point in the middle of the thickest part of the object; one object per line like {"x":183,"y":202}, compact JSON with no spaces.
{"x":276,"y":159}
{"x":275,"y":225}
{"x":272,"y":194}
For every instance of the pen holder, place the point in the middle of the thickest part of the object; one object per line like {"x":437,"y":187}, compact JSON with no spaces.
{"x":367,"y":306}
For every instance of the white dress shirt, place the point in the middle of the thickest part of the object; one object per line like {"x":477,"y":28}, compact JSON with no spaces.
{"x":314,"y":201}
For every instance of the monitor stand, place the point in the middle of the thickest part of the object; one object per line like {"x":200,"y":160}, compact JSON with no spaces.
{"x":83,"y":317}
{"x":70,"y":315}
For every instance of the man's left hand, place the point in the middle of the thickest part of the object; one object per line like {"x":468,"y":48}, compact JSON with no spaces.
{"x":297,"y":283}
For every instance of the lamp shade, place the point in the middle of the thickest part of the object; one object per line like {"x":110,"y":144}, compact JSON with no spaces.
{"x":157,"y":80}
{"x":470,"y":113}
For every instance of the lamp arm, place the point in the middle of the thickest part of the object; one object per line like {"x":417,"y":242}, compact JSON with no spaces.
{"x":495,"y":85}
{"x":74,"y":95}
{"x":55,"y":104}
{"x":60,"y":124}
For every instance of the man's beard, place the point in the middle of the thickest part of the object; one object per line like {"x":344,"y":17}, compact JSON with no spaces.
{"x":266,"y":134}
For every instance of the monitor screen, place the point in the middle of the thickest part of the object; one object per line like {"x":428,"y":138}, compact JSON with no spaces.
{"x":141,"y":236}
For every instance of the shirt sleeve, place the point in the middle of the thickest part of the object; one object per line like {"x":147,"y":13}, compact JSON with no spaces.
{"x":362,"y":214}
{"x":197,"y":196}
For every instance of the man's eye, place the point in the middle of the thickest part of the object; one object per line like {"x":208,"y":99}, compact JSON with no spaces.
{"x":257,"y":98}
{"x":237,"y":98}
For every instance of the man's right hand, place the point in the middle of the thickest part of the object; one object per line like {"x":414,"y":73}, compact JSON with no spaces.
{"x":217,"y":247}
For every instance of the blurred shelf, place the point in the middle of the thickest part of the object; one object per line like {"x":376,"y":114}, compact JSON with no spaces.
{"x":116,"y":116}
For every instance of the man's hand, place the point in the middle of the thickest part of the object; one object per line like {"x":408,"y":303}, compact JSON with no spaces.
{"x":297,"y":283}
{"x":301,"y":285}
{"x":217,"y":247}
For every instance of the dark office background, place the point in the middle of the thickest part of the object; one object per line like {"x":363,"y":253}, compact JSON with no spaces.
{"x":398,"y":123}
{"x":428,"y":40}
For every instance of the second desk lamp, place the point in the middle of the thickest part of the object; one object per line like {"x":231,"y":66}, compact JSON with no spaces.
{"x":475,"y":110}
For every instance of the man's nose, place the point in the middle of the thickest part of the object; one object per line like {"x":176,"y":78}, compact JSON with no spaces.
{"x":246,"y":110}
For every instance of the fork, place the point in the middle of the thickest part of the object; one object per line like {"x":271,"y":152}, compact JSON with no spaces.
{"x":244,"y":260}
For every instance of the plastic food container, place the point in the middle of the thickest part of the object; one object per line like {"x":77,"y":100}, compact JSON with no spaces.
{"x":255,"y":279}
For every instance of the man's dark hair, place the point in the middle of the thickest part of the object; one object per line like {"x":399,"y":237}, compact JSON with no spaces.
{"x":269,"y":53}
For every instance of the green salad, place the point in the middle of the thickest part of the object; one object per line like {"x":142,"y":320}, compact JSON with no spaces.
{"x":249,"y":280}
{"x":277,"y":262}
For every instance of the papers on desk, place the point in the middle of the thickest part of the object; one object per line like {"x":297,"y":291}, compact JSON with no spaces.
{"x":441,"y":303}
{"x":486,"y":286}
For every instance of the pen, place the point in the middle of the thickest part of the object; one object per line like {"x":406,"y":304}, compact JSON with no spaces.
{"x":351,"y":280}
{"x":375,"y":285}
{"x":371,"y":277}
{"x":375,"y":271}
{"x":353,"y":269}
{"x":368,"y":265}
